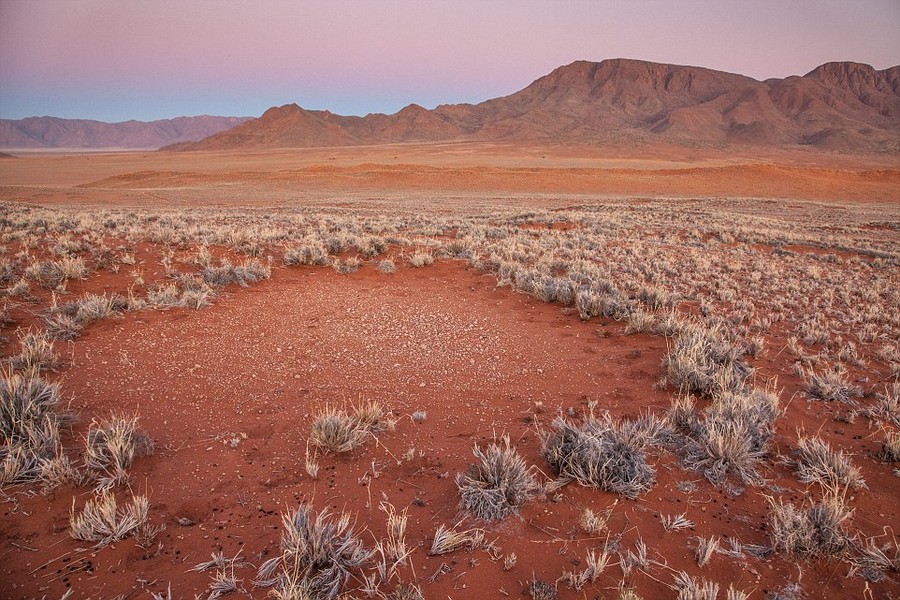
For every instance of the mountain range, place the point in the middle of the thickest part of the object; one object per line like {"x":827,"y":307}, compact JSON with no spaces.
{"x":837,"y":107}
{"x":53,"y":132}
{"x":841,"y":106}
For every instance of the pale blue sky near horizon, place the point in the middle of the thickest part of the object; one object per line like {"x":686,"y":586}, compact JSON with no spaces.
{"x":113,"y":60}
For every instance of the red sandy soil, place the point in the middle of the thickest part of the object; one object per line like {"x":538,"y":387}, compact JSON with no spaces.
{"x":227,"y":393}
{"x":541,"y":175}
{"x":254,"y":367}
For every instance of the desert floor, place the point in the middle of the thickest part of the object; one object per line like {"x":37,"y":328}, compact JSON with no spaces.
{"x":795,"y":253}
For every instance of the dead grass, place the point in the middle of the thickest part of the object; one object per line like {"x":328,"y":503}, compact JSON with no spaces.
{"x":603,"y":453}
{"x":449,"y":539}
{"x":102,"y":521}
{"x":338,"y":430}
{"x":111,"y":445}
{"x":318,"y":555}
{"x":497,"y":484}
{"x":831,"y":385}
{"x":29,"y":431}
{"x":818,"y":529}
{"x":831,"y":469}
{"x":704,"y":362}
{"x":732,"y":437}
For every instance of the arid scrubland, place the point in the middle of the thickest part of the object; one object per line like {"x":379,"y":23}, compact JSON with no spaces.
{"x":778,"y":318}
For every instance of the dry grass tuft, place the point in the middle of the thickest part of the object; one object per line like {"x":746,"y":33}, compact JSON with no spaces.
{"x":831,"y":385}
{"x":337,"y":430}
{"x":594,"y":523}
{"x":603,"y":453}
{"x":318,"y":556}
{"x":691,"y":588}
{"x":29,"y":431}
{"x":541,"y":590}
{"x":102,"y":521}
{"x":732,"y":437}
{"x":817,"y":530}
{"x":498,"y":484}
{"x":110,"y":448}
{"x":832,"y":469}
{"x":448,"y":539}
{"x":704,"y":362}
{"x":36,"y":354}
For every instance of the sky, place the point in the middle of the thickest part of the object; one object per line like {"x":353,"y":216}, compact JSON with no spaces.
{"x":114,"y":60}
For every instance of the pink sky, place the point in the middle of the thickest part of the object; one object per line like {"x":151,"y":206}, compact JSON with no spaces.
{"x":117,"y":59}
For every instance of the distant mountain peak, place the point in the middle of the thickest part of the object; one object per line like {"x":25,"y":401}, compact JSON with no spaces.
{"x":54,"y":132}
{"x":847,"y":107}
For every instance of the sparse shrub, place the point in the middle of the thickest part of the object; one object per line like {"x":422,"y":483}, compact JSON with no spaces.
{"x":817,"y":530}
{"x":102,"y":521}
{"x":831,"y":386}
{"x":871,"y":559}
{"x":602,"y":301}
{"x":832,"y":469}
{"x":498,"y":484}
{"x":640,"y":321}
{"x":336,"y":430}
{"x":702,"y":361}
{"x":603,"y":453}
{"x":541,"y":590}
{"x":29,"y":428}
{"x":110,"y":448}
{"x":448,"y":539}
{"x":890,"y":447}
{"x":732,"y":437}
{"x":249,"y":271}
{"x":163,"y":296}
{"x":691,"y":588}
{"x":21,"y":289}
{"x":344,"y":267}
{"x":306,"y":254}
{"x":888,"y":406}
{"x":48,"y":274}
{"x":62,"y":327}
{"x":36,"y":355}
{"x":387,"y":266}
{"x":318,"y":556}
{"x":421,"y":259}
{"x":94,"y":307}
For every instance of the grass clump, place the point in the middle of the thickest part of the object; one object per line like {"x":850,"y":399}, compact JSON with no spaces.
{"x":306,"y":254}
{"x":318,"y":555}
{"x":832,"y":469}
{"x":731,"y":438}
{"x":102,"y":521}
{"x":36,"y":354}
{"x":110,"y":448}
{"x":29,"y":429}
{"x":498,"y":484}
{"x":816,"y":530}
{"x":702,"y":361}
{"x":337,"y":430}
{"x":247,"y":272}
{"x":421,"y":259}
{"x":448,"y":539}
{"x":831,"y":386}
{"x":692,"y":588}
{"x":603,"y":453}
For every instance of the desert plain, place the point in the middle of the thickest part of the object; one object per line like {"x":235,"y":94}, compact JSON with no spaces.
{"x":677,"y":368}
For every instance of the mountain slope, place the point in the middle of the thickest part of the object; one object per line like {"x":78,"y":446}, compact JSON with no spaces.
{"x":835,"y":107}
{"x":52,"y":132}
